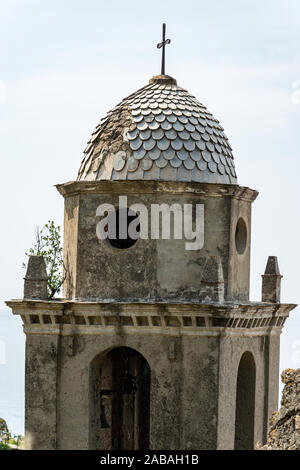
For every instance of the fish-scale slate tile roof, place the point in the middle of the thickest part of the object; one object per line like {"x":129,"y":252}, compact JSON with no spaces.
{"x":160,"y":132}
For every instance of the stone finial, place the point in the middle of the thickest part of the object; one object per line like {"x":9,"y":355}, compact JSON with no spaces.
{"x":35,"y":285}
{"x":212,"y":282}
{"x":271,"y":281}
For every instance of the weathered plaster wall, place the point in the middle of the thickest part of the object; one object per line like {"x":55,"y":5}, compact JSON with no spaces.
{"x":272,"y":356}
{"x":149,"y":269}
{"x":193,"y":388}
{"x":239,"y":263}
{"x":232,"y":347}
{"x":71,"y":244}
{"x":40,"y":391}
{"x":200,"y":388}
{"x":183,"y":389}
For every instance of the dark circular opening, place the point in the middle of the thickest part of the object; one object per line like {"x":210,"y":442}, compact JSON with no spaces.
{"x":241,"y":236}
{"x":123,"y":219}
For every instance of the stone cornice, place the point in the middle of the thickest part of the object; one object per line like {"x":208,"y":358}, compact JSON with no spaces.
{"x":155,"y":318}
{"x":73,"y":330}
{"x":74,"y":188}
{"x":64,"y":306}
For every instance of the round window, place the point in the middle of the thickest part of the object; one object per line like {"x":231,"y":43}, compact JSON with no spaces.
{"x":241,"y":236}
{"x":127,"y":228}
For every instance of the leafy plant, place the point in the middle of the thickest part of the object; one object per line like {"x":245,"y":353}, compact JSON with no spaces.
{"x":4,"y":446}
{"x":48,"y":244}
{"x":3,"y":425}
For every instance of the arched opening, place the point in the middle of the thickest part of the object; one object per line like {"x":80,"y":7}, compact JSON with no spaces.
{"x":120,"y":401}
{"x":245,"y":403}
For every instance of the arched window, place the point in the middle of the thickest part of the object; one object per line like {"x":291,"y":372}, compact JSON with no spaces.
{"x":245,"y":403}
{"x":120,"y":401}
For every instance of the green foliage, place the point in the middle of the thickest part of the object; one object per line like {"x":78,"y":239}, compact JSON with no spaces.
{"x":4,"y":433}
{"x":4,"y":446}
{"x":13,"y":441}
{"x":3,"y":425}
{"x":7,"y":438}
{"x":48,"y":244}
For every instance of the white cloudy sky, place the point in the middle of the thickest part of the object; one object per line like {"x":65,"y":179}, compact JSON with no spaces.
{"x":64,"y":63}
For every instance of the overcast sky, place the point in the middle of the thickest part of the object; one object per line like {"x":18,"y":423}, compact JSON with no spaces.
{"x":65,"y":63}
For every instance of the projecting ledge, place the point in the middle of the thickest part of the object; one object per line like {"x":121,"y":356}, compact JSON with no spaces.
{"x":139,"y":317}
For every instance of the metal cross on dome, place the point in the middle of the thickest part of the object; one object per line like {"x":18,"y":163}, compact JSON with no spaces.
{"x":162,"y":45}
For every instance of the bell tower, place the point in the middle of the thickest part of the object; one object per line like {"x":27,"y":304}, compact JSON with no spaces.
{"x":155,"y":343}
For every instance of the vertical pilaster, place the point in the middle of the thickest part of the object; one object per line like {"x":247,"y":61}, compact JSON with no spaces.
{"x":199,"y":399}
{"x":41,"y":392}
{"x":272,"y":348}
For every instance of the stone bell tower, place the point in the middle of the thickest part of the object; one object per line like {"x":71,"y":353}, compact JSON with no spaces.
{"x":153,"y":346}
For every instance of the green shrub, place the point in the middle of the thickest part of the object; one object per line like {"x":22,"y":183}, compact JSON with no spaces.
{"x":4,"y":446}
{"x":48,"y":244}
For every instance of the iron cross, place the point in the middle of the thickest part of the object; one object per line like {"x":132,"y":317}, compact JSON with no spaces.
{"x":162,"y":45}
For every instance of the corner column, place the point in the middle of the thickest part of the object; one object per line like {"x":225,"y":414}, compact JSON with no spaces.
{"x":41,"y":391}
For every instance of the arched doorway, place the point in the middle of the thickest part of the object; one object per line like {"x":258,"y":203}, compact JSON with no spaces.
{"x":120,"y":401}
{"x":245,"y":403}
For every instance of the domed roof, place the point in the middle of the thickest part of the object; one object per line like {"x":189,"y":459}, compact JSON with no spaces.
{"x":160,"y":132}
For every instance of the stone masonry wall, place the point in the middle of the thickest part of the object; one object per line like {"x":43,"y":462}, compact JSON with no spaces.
{"x":285,"y":424}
